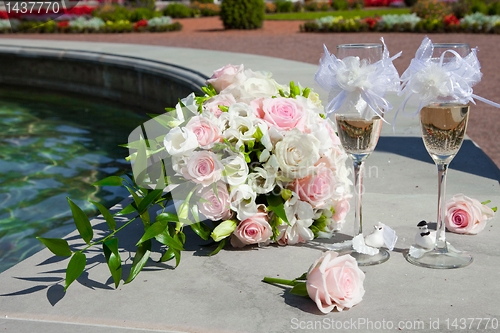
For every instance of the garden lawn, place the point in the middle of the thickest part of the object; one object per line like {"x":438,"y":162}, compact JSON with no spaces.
{"x":344,"y":13}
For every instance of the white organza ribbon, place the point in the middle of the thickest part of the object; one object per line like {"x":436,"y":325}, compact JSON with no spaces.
{"x":430,"y":78}
{"x":354,"y":84}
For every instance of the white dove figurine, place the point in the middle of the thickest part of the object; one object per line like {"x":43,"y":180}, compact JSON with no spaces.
{"x":376,"y":238}
{"x":424,"y":237}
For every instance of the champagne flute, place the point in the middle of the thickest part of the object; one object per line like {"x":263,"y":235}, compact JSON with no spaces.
{"x":359,"y":137}
{"x":443,"y":123}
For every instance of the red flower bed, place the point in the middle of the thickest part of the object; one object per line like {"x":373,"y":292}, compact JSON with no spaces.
{"x":451,"y":20}
{"x":371,"y":21}
{"x":378,"y":3}
{"x":141,"y":23}
{"x":63,"y":24}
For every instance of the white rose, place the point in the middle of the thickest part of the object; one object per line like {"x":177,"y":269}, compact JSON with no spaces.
{"x":180,"y":141}
{"x":297,"y":154}
{"x":260,"y":87}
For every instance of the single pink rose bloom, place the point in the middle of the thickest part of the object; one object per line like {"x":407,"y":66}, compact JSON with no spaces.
{"x":216,"y":206}
{"x":253,"y":230}
{"x":335,"y":281}
{"x":318,"y":189}
{"x":341,"y":210}
{"x":203,"y":167}
{"x":465,"y":215}
{"x":224,"y":77}
{"x":282,"y":113}
{"x":212,"y":105}
{"x":206,"y":131}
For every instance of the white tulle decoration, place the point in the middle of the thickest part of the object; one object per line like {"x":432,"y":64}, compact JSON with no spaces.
{"x":430,"y":79}
{"x":353,"y":83}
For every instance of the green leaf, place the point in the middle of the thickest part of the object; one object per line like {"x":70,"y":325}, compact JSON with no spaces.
{"x":127,"y":210}
{"x":302,"y":277}
{"x":183,"y":212}
{"x":141,"y":162}
{"x":486,"y":202}
{"x":138,"y":143}
{"x":494,"y":209}
{"x":165,"y":238}
{"x":177,"y":257}
{"x":110,"y":181}
{"x":140,"y":259}
{"x":106,"y":214}
{"x":300,"y":289}
{"x":153,"y":231}
{"x":75,"y":268}
{"x":110,"y":249}
{"x":151,"y":197}
{"x":221,"y":245}
{"x":169,"y":254}
{"x":167,"y":217}
{"x":145,"y":214}
{"x":82,"y":222}
{"x":201,"y":230}
{"x":276,"y":204}
{"x":57,"y":246}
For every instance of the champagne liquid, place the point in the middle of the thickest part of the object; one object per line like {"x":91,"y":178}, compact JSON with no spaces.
{"x":358,"y":136}
{"x":443,"y":129}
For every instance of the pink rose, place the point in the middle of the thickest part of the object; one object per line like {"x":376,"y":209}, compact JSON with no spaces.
{"x":203,"y":167}
{"x":206,"y":131}
{"x":465,"y":215}
{"x":282,"y":113}
{"x":253,"y":230}
{"x":318,"y":189}
{"x":212,"y":105}
{"x":225,"y":76}
{"x":335,"y":281}
{"x":341,"y":210}
{"x":216,"y":206}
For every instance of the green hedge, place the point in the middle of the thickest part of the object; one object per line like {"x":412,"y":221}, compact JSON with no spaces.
{"x":242,"y":14}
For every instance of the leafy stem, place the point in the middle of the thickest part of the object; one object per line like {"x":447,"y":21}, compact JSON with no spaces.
{"x":108,"y":236}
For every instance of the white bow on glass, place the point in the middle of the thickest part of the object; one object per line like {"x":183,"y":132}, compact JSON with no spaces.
{"x":353,"y":83}
{"x":429,"y":78}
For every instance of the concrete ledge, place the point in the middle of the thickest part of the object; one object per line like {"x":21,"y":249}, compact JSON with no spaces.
{"x":224,"y":293}
{"x":140,"y":83}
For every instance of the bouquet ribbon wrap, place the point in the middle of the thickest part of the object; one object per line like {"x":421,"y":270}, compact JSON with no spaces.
{"x":353,"y":83}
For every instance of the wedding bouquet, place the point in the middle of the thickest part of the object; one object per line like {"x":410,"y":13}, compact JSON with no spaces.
{"x":251,"y":162}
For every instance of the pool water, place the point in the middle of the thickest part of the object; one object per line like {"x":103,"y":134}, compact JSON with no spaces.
{"x":52,"y":147}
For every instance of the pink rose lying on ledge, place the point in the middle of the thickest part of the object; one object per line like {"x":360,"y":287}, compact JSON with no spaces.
{"x":465,"y":215}
{"x":333,"y":281}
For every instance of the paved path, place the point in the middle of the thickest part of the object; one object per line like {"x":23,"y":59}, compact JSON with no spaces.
{"x":282,"y":39}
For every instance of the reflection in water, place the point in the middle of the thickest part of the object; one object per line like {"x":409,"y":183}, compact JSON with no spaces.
{"x":53,"y":147}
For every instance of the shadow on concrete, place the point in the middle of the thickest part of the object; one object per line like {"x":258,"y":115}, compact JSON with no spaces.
{"x":470,"y":158}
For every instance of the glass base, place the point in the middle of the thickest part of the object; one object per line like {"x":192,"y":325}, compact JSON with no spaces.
{"x":446,"y":258}
{"x":368,"y":260}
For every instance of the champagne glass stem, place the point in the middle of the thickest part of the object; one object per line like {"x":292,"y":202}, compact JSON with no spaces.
{"x":358,"y":189}
{"x":440,"y":234}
